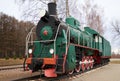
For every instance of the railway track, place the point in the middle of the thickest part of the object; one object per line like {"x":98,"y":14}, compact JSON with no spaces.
{"x":10,"y":67}
{"x":59,"y":78}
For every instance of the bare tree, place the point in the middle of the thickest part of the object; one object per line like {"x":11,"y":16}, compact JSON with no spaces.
{"x":88,"y":13}
{"x":116,"y":29}
{"x":67,"y":8}
{"x":116,"y":33}
{"x":31,"y":8}
{"x":93,"y":16}
{"x":31,"y":12}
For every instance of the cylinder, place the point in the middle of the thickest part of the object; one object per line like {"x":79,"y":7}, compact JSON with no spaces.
{"x":52,"y":8}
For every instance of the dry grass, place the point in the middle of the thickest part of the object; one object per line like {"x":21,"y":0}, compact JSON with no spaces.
{"x":4,"y":62}
{"x":115,"y":61}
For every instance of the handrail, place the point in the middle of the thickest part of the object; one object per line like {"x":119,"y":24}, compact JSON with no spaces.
{"x":30,"y":40}
{"x":27,"y":39}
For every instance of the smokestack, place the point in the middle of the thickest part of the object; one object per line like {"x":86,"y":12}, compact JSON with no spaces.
{"x":52,"y":9}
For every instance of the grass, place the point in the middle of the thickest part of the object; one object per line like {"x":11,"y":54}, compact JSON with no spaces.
{"x":115,"y":61}
{"x":7,"y":62}
{"x":4,"y":62}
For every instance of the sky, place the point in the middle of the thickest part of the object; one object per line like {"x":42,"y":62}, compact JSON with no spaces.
{"x":11,"y":8}
{"x":111,"y":11}
{"x":111,"y":8}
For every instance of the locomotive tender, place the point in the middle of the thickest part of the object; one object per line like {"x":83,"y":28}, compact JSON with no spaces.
{"x":62,"y":47}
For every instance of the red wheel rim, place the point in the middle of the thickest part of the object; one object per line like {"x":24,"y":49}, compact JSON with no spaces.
{"x":91,"y":62}
{"x":83,"y":65}
{"x":71,"y":72}
{"x":77,"y":69}
{"x":87,"y":64}
{"x":91,"y":65}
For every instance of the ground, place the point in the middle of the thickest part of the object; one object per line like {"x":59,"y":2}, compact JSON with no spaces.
{"x":110,"y":72}
{"x":7,"y":62}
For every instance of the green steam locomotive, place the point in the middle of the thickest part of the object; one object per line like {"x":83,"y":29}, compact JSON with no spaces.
{"x":62,"y":47}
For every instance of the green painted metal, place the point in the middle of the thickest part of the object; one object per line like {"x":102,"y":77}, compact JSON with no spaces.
{"x":74,"y":34}
{"x":37,"y":50}
{"x":89,"y":52}
{"x":73,"y":22}
{"x":61,"y":44}
{"x":71,"y":58}
{"x":88,"y":29}
{"x":42,"y":50}
{"x":82,"y":37}
{"x":106,"y":48}
{"x":102,"y":44}
{"x":60,"y":47}
{"x":49,"y":34}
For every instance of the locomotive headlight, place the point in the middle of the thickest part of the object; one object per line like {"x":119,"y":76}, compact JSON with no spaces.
{"x":30,"y":51}
{"x":51,"y":51}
